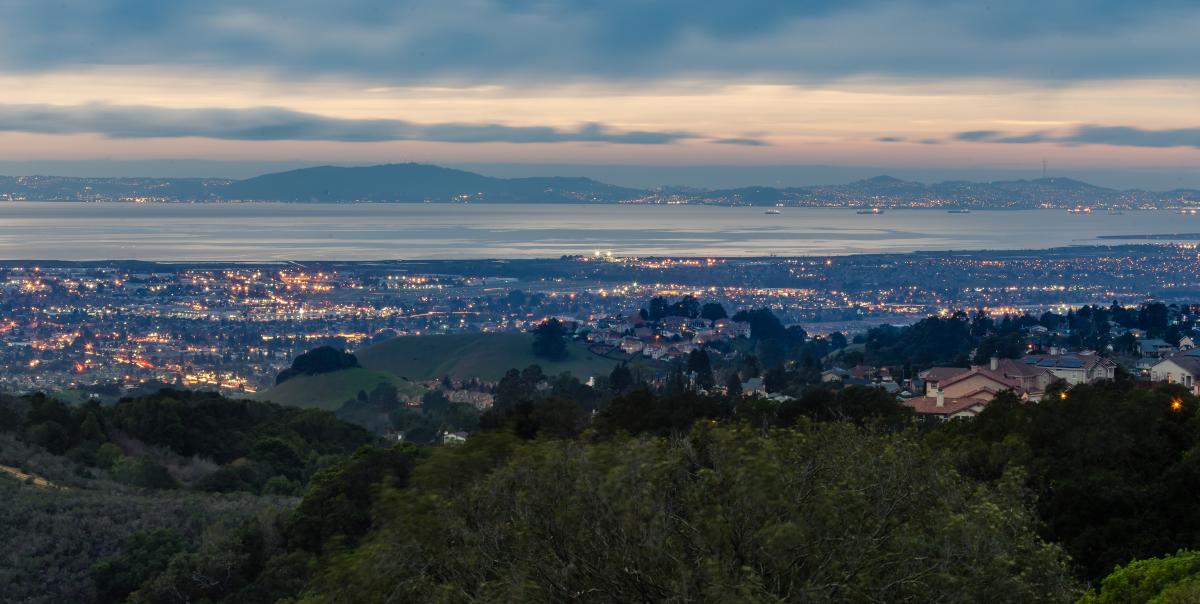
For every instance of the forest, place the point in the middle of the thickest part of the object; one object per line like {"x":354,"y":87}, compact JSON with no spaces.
{"x":637,"y":493}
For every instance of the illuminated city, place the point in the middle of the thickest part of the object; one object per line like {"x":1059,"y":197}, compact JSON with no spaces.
{"x":232,"y":328}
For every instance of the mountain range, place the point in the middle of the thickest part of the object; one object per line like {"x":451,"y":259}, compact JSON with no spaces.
{"x":415,"y":183}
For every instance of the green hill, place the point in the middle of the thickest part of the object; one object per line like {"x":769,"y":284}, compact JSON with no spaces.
{"x":483,"y":355}
{"x":329,"y":390}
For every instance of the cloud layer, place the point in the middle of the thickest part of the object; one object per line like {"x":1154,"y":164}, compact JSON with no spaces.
{"x":272,"y":123}
{"x":533,"y":40}
{"x":1121,"y":136}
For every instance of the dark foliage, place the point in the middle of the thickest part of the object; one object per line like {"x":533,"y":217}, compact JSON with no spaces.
{"x":338,"y":501}
{"x":549,"y":340}
{"x":325,"y":359}
{"x":1114,"y":468}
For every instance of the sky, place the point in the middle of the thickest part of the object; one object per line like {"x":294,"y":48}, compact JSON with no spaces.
{"x":797,"y":92}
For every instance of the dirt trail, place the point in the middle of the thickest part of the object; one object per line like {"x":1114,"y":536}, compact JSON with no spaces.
{"x":33,"y":479}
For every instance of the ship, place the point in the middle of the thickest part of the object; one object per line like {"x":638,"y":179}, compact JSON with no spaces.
{"x":1079,"y":210}
{"x":772,"y":211}
{"x":1115,"y":212}
{"x":959,"y":211}
{"x":871,"y":211}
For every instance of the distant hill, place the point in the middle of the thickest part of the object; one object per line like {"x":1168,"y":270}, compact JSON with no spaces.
{"x":887,"y":191}
{"x":416,"y":183}
{"x":329,"y":390}
{"x":483,"y":355}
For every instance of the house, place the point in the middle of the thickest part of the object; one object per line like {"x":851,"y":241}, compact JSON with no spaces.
{"x":734,"y":329}
{"x":936,"y":375}
{"x":956,"y":392}
{"x":779,"y":397}
{"x":709,"y":337}
{"x":976,"y":382}
{"x":754,"y":386}
{"x":863,"y":372}
{"x":1145,"y":364}
{"x":1032,"y":380}
{"x":837,"y":374}
{"x":675,"y":324}
{"x":655,"y":350}
{"x":454,"y":438}
{"x":631,"y":345}
{"x":611,"y":338}
{"x":1186,"y":343}
{"x":944,"y":408}
{"x":1180,"y":369}
{"x":479,"y":400}
{"x":1080,"y":368}
{"x":1154,"y":347}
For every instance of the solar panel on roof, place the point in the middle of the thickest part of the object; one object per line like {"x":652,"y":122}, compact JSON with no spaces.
{"x":1046,"y":363}
{"x":1070,"y":363}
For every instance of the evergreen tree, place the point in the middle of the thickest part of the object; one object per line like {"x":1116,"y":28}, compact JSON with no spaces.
{"x":733,"y":385}
{"x":549,"y":340}
{"x":699,"y":363}
{"x":713,"y":311}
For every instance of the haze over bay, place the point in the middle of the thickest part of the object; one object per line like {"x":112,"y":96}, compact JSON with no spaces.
{"x":267,"y":231}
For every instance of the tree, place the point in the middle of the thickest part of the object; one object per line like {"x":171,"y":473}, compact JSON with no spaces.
{"x":764,"y":325}
{"x":434,"y":402}
{"x":713,"y":311}
{"x":687,"y":306}
{"x":515,"y":298}
{"x":621,"y":379}
{"x":549,"y":340}
{"x":548,"y":417}
{"x":1130,"y":498}
{"x":659,"y":307}
{"x":733,"y":385}
{"x":141,"y":472}
{"x":699,"y":364}
{"x":1125,"y":344}
{"x":142,"y":556}
{"x":325,"y":359}
{"x":338,"y":500}
{"x":837,"y":340}
{"x":776,"y":379}
{"x":517,"y":386}
{"x":1174,"y":578}
{"x":1001,"y":347}
{"x":1153,"y":318}
{"x":872,"y":517}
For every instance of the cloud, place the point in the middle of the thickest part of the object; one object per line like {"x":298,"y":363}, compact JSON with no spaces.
{"x":422,"y":41}
{"x":1136,"y":137}
{"x":1120,"y":136}
{"x":890,"y":139}
{"x":747,"y":142}
{"x":273,"y":123}
{"x":976,"y":135}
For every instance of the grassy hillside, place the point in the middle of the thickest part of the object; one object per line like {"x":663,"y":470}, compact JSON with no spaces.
{"x":329,"y":390}
{"x":483,"y":355}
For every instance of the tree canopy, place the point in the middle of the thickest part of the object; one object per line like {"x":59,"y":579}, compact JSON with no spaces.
{"x":816,"y":514}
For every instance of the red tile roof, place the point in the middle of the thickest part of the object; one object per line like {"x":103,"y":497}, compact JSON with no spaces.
{"x":995,"y":376}
{"x":938,"y":374}
{"x":927,"y":405}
